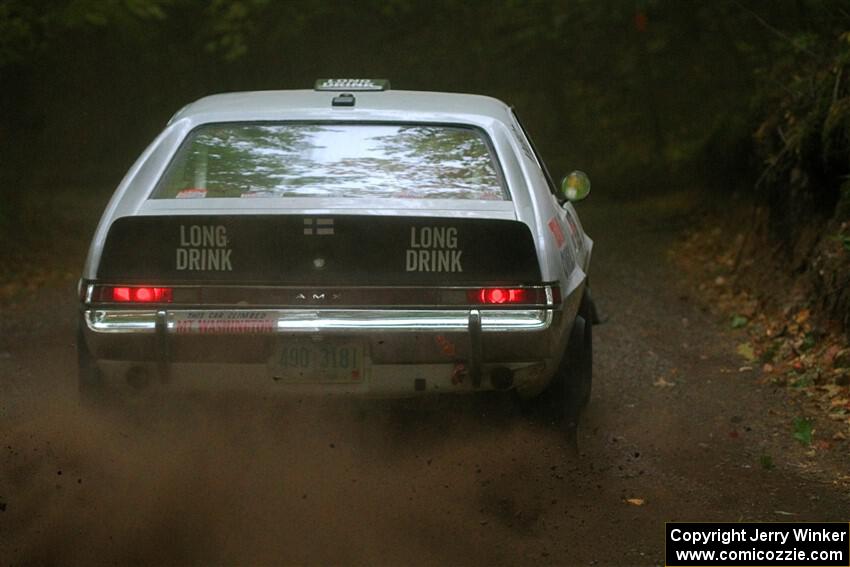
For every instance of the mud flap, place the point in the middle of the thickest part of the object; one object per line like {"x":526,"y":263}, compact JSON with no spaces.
{"x":574,"y":370}
{"x":592,"y":310}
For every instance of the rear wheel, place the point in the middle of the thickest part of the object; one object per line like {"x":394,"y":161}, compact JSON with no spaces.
{"x":569,"y":392}
{"x":578,"y":375}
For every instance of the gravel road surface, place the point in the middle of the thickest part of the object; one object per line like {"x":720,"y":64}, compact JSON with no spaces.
{"x":675,"y":431}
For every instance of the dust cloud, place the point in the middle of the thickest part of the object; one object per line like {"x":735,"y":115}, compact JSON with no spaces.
{"x":247,"y":480}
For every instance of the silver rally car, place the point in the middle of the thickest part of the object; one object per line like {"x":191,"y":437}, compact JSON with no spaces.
{"x":347,"y":239}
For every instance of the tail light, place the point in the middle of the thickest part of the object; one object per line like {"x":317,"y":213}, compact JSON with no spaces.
{"x":515,"y":295}
{"x":136,"y":294}
{"x":504,"y":296}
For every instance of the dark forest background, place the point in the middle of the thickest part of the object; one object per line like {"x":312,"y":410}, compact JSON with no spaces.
{"x":730,"y":97}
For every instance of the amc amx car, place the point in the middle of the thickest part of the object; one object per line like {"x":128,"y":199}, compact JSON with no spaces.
{"x":347,"y":239}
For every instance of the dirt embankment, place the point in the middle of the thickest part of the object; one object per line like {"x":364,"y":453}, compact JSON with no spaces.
{"x":778,"y":316}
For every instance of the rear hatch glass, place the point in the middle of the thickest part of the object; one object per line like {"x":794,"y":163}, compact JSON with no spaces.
{"x":416,"y":161}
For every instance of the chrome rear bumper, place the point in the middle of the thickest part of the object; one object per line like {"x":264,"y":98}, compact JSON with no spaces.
{"x":168,"y":327}
{"x":408,"y":349}
{"x":270,"y":321}
{"x":399,"y":340}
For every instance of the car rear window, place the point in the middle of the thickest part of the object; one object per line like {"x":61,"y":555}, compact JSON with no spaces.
{"x":417,"y":161}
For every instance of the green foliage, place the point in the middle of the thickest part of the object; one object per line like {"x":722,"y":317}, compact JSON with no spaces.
{"x":111,"y":12}
{"x":803,"y":381}
{"x":637,"y":94}
{"x":804,"y":139}
{"x":803,"y":431}
{"x":803,"y":142}
{"x":27,"y":28}
{"x":231,"y":23}
{"x":809,"y":341}
{"x":19,"y":23}
{"x":842,"y":210}
{"x":771,"y":351}
{"x":739,"y":321}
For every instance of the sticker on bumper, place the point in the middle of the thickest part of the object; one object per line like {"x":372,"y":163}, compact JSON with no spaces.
{"x":225,"y":322}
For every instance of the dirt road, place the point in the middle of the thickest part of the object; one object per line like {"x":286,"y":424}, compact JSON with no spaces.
{"x":673,"y":423}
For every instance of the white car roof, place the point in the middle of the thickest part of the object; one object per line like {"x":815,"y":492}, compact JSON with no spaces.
{"x":316,"y":105}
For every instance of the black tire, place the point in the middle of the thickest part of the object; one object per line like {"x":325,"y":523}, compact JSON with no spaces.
{"x":585,"y":364}
{"x":569,"y":392}
{"x":579,"y":370}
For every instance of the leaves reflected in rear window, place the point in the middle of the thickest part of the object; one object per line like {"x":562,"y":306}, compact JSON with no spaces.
{"x":333,"y":160}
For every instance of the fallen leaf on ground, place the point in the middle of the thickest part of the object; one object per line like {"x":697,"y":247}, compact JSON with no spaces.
{"x":746,"y":350}
{"x":830,"y":353}
{"x":663,"y":383}
{"x":636,"y":501}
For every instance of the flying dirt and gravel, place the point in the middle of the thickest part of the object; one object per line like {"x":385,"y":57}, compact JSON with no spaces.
{"x":675,"y":431}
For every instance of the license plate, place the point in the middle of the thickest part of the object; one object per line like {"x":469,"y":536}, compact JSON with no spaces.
{"x":306,"y":361}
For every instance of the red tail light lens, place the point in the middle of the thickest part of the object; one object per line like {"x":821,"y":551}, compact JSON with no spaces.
{"x":500,"y":296}
{"x":139,"y":294}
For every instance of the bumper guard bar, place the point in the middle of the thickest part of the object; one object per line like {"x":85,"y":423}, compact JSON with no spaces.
{"x":165,"y":324}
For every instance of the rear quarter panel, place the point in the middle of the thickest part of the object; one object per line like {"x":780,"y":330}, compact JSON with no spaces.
{"x":560,"y":259}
